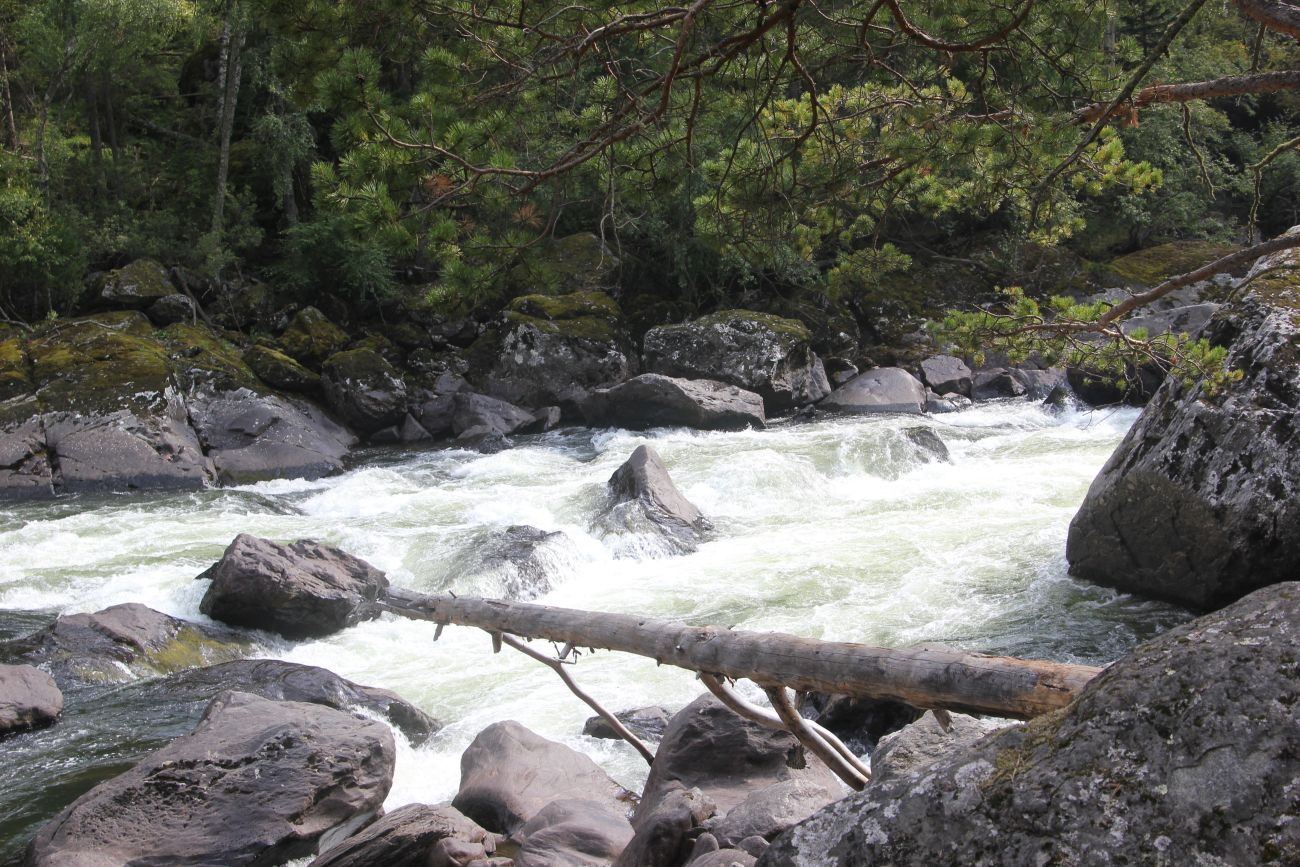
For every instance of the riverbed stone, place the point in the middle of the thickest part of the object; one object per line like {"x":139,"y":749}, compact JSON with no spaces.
{"x":121,"y":643}
{"x":299,"y":590}
{"x":652,"y":400}
{"x":946,"y":374}
{"x":408,"y":837}
{"x":571,"y":832}
{"x":665,"y":835}
{"x":364,"y":390}
{"x":1200,"y":503}
{"x":927,"y":740}
{"x":1185,"y":751}
{"x":551,"y":350}
{"x":759,"y":352}
{"x":647,"y":723}
{"x":29,"y":699}
{"x":470,"y":411}
{"x":770,"y":810}
{"x":256,"y":782}
{"x":508,"y":774}
{"x":884,"y":389}
{"x":727,"y":757}
{"x":644,"y":500}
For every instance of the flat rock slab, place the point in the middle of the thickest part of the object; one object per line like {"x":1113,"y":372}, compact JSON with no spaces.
{"x":256,"y":782}
{"x":304,"y":589}
{"x":29,"y":699}
{"x":652,"y":400}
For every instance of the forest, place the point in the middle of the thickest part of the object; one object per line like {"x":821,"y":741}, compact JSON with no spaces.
{"x":726,"y":151}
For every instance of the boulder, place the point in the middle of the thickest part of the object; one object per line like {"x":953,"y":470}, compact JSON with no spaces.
{"x":29,"y":699}
{"x":839,"y":370}
{"x":652,"y":400}
{"x":885,"y":389}
{"x":515,"y":563}
{"x":364,"y":390}
{"x":1200,"y":503}
{"x":122,"y":643}
{"x":311,"y":337}
{"x":508,"y":774}
{"x":647,"y":723}
{"x":301,"y":590}
{"x":256,"y":782}
{"x":551,"y":350}
{"x":759,"y":352}
{"x":771,"y":810}
{"x":280,"y":371}
{"x":929,"y":445}
{"x":665,"y":835}
{"x":137,"y":285}
{"x":25,"y":468}
{"x":436,"y":414}
{"x":926,"y":741}
{"x":946,"y":375}
{"x":936,"y":405}
{"x":278,"y":680}
{"x":408,"y":837}
{"x":572,"y":833}
{"x":709,"y":747}
{"x":547,"y":418}
{"x":1029,"y":382}
{"x":478,"y":411}
{"x":170,"y":309}
{"x":252,"y":437}
{"x":859,"y":722}
{"x":644,"y":500}
{"x":1185,"y":751}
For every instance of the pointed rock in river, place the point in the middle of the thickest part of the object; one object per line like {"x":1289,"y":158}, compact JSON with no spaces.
{"x":29,"y":699}
{"x":644,"y":500}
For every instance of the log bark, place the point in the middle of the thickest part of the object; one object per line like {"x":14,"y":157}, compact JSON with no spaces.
{"x":1231,"y":85}
{"x":923,"y":677}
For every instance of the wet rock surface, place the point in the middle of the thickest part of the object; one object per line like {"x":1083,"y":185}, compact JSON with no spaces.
{"x":256,"y":782}
{"x":299,"y":590}
{"x":759,"y":352}
{"x":1200,"y":503}
{"x":926,"y":741}
{"x":573,"y":833}
{"x":416,"y":835}
{"x":652,"y":400}
{"x":364,"y":390}
{"x":645,"y":501}
{"x":885,"y":389}
{"x":29,"y":699}
{"x":516,"y":562}
{"x":647,"y":723}
{"x":1185,"y":751}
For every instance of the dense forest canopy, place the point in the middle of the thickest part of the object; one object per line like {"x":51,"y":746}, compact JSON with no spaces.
{"x":722,"y":148}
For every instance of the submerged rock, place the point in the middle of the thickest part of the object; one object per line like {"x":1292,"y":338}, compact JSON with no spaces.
{"x":121,"y":643}
{"x":1200,"y":503}
{"x":256,"y":782}
{"x":652,"y":400}
{"x":930,"y":446}
{"x":517,"y":561}
{"x":1185,"y":751}
{"x":885,"y":389}
{"x":301,"y":590}
{"x":645,"y":500}
{"x":416,"y":835}
{"x":29,"y":699}
{"x":508,"y":775}
{"x":759,"y":352}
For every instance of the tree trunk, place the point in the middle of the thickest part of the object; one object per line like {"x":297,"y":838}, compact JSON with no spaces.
{"x":11,"y":125}
{"x":928,"y":678}
{"x":232,"y":43}
{"x":96,"y":137}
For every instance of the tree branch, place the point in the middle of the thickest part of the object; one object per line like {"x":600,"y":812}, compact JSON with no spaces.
{"x":1231,"y":85}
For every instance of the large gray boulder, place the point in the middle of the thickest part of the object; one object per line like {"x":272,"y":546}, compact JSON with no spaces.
{"x":29,"y":699}
{"x":709,"y":747}
{"x":508,"y":774}
{"x":652,"y":400}
{"x":122,"y":643}
{"x":1186,"y":751}
{"x":926,"y":741}
{"x":1200,"y":503}
{"x":364,"y":389}
{"x":480,"y":412}
{"x":885,"y":389}
{"x":552,"y":350}
{"x":252,"y":437}
{"x":256,"y":782}
{"x":573,"y":833}
{"x":946,"y":374}
{"x":416,"y":835}
{"x":644,"y":500}
{"x":759,"y":352}
{"x":665,"y":832}
{"x":300,"y":590}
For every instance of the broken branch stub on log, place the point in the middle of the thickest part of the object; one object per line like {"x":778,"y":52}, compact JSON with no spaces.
{"x":923,"y":677}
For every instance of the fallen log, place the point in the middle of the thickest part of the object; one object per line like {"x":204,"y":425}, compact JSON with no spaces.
{"x":922,"y":677}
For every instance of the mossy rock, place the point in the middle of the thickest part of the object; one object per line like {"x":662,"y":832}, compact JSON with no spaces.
{"x":99,"y":363}
{"x":311,"y":337}
{"x":750,"y":320}
{"x":200,"y":357}
{"x":280,"y":371}
{"x":1154,"y":265}
{"x":583,"y":315}
{"x":381,"y":345}
{"x":15,"y":379}
{"x":574,"y":263}
{"x":137,"y":285}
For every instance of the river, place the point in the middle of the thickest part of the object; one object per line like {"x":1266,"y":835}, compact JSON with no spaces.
{"x":836,"y":529}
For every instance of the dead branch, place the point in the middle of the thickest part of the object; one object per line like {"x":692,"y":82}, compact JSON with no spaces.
{"x":1231,"y":85}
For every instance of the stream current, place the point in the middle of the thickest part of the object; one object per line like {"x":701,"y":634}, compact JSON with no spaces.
{"x":837,"y":529}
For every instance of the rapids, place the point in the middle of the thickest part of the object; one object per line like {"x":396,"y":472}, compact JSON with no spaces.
{"x":835,"y":529}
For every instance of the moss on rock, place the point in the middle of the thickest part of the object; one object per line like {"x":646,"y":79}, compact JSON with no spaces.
{"x":311,"y":337}
{"x":280,"y":371}
{"x":138,"y":284}
{"x":584,"y":315}
{"x":200,"y":357}
{"x":99,"y":364}
{"x":1154,"y":265}
{"x":15,"y":379}
{"x":749,"y":320}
